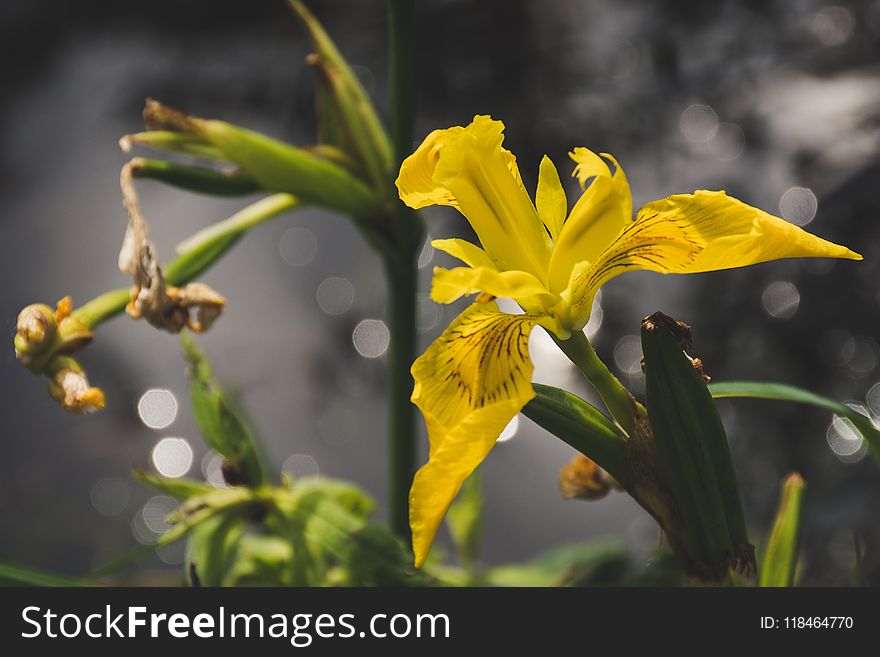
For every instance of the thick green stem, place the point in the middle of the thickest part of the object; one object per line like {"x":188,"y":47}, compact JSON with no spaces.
{"x":403,"y":279}
{"x":403,"y":99}
{"x":197,"y":253}
{"x":620,"y":402}
{"x":402,"y":270}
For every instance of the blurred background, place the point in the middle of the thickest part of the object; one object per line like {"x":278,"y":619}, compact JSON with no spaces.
{"x":776,"y":101}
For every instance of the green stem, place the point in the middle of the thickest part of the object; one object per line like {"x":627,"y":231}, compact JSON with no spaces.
{"x":197,"y":253}
{"x":103,"y":307}
{"x":402,"y":271}
{"x":251,"y":216}
{"x":619,"y":401}
{"x":581,"y":425}
{"x":403,"y":98}
{"x":403,"y":276}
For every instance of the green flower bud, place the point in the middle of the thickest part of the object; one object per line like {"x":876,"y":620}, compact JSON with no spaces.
{"x":346,"y":115}
{"x":36,"y":334}
{"x":273,"y":164}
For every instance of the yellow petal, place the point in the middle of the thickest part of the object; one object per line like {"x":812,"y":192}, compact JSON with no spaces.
{"x":602,"y":211}
{"x":415,"y":183}
{"x":468,"y":384}
{"x":451,"y":284}
{"x":703,"y":231}
{"x":476,"y":170}
{"x":550,"y":198}
{"x":469,"y":254}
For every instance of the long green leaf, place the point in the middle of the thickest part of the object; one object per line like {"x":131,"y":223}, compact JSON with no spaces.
{"x":781,"y":391}
{"x":16,"y":574}
{"x":579,"y":424}
{"x":180,"y":489}
{"x":780,"y":559}
{"x":204,"y":180}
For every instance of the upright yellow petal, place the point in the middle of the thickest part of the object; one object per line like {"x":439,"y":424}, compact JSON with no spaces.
{"x":691,"y":233}
{"x":602,"y":211}
{"x":415,"y":182}
{"x":451,"y":284}
{"x":477,"y":172}
{"x":550,"y":198}
{"x":468,"y":384}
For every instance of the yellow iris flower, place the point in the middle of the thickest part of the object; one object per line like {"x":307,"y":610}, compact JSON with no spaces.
{"x":477,"y":375}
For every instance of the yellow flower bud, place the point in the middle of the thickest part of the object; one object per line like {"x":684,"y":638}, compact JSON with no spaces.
{"x":582,"y":479}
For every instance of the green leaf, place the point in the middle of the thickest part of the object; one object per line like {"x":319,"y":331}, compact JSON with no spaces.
{"x":171,"y":141}
{"x":179,"y":489}
{"x":221,"y":428}
{"x":349,"y":496}
{"x":465,"y":520}
{"x":262,"y":559}
{"x":587,"y":563}
{"x":213,"y":547}
{"x":579,"y":424}
{"x":202,"y":249}
{"x":328,"y":532}
{"x":15,"y":574}
{"x":191,"y":514}
{"x":219,"y":182}
{"x":780,"y":559}
{"x":692,"y":446}
{"x":781,"y":391}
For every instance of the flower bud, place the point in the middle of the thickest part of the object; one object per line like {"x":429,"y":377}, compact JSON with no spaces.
{"x":69,"y":386}
{"x":36,"y":333}
{"x":273,"y":164}
{"x":582,"y":479}
{"x":344,"y":105}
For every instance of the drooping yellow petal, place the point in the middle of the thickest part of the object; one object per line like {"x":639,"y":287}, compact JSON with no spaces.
{"x":415,"y":182}
{"x":602,"y":211}
{"x":550,"y":198}
{"x":699,"y":232}
{"x":469,"y":254}
{"x":451,"y":284}
{"x":476,"y":171}
{"x":468,"y":384}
